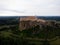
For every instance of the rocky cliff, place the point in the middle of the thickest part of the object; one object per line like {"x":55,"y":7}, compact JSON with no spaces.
{"x":32,"y":21}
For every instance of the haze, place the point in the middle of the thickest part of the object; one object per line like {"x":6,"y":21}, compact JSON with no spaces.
{"x":29,"y":7}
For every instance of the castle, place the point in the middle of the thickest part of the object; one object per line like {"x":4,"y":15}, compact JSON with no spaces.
{"x":30,"y":21}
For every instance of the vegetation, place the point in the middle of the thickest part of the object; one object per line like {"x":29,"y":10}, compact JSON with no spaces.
{"x":10,"y":35}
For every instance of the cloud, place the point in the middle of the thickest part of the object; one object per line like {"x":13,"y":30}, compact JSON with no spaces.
{"x":30,"y":7}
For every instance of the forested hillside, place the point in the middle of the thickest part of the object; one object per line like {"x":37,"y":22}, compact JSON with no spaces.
{"x":11,"y":35}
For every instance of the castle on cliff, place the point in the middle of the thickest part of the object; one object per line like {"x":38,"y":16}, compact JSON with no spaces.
{"x":30,"y":21}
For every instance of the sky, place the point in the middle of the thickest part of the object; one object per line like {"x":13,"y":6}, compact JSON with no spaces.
{"x":29,"y":7}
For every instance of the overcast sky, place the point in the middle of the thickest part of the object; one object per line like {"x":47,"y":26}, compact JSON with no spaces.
{"x":30,"y":7}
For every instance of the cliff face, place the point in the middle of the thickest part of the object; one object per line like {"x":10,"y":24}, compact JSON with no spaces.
{"x":30,"y":21}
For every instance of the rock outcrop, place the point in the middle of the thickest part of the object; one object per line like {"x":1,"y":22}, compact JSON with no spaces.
{"x":30,"y":21}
